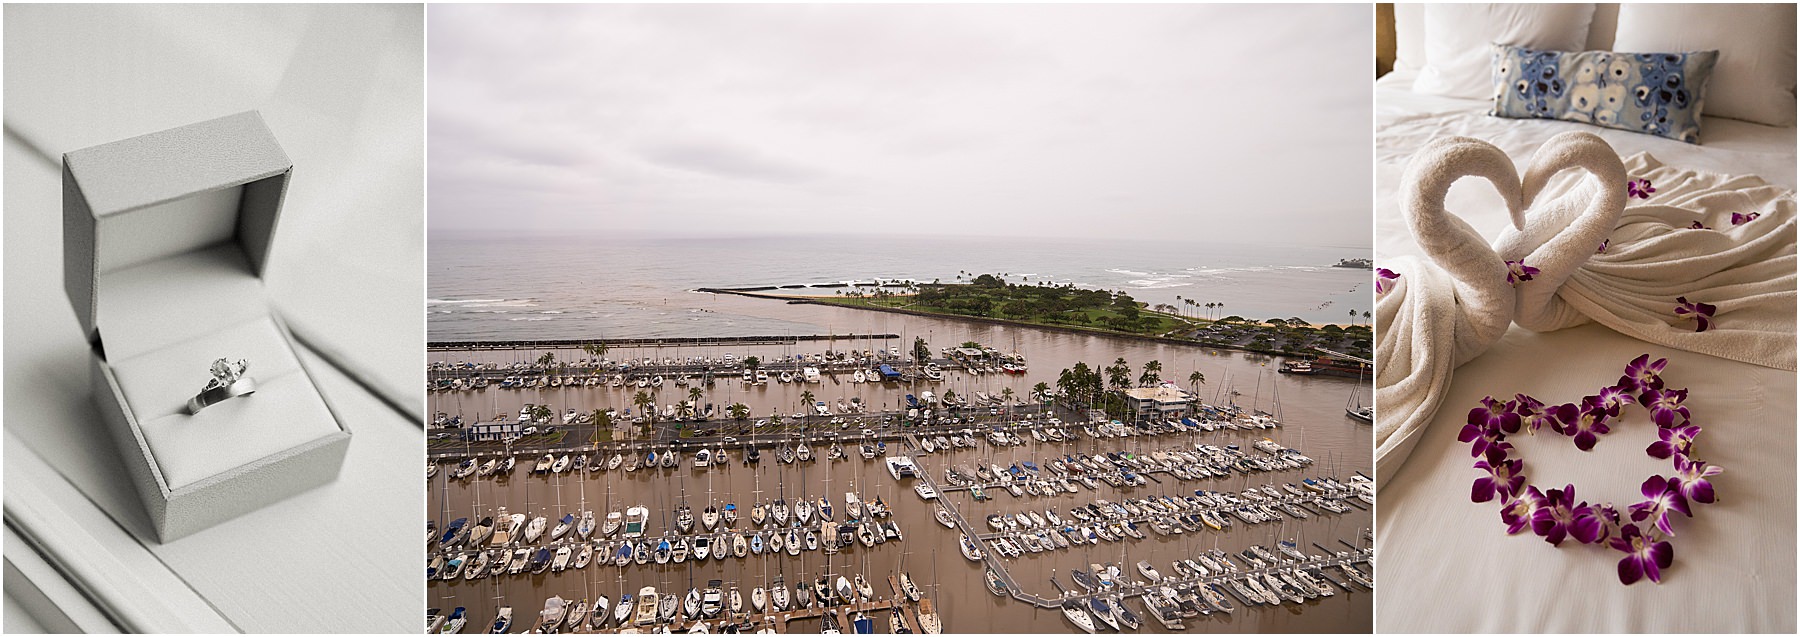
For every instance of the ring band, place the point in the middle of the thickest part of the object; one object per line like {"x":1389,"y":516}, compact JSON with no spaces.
{"x":228,"y":382}
{"x":215,"y":395}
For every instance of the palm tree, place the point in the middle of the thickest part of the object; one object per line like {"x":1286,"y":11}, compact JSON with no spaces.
{"x":1040,"y":389}
{"x":1366,"y":316}
{"x":548,"y":359}
{"x":1151,"y":375}
{"x":806,"y":400}
{"x":645,"y":403}
{"x":739,"y":411}
{"x":602,"y":421}
{"x":541,"y":413}
{"x":752,"y":362}
{"x":1195,"y":380}
{"x":1352,"y":317}
{"x":694,"y":394}
{"x":595,"y":349}
{"x":1119,"y":374}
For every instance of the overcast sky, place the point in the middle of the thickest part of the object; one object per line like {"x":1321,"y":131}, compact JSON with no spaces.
{"x":1226,"y":123}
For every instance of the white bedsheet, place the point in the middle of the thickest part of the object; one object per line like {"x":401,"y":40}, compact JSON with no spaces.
{"x":1447,"y":565}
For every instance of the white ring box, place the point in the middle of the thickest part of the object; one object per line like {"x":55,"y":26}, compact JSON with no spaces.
{"x":166,"y":237}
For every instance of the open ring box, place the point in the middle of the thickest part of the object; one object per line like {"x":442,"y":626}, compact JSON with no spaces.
{"x":166,"y":238}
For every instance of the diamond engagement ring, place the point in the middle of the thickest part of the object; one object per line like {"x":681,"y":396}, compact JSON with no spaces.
{"x":228,"y":381}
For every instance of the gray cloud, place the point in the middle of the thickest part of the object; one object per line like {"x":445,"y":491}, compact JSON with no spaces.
{"x":1225,"y":122}
{"x":724,"y":160}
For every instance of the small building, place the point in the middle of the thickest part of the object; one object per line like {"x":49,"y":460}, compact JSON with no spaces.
{"x":492,"y":431}
{"x":1158,"y":403}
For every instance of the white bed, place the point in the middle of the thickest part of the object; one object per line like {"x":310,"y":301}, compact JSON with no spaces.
{"x":1447,"y":565}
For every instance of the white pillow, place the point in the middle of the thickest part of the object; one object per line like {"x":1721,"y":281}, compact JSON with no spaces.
{"x":1409,"y":36}
{"x":1754,"y":78}
{"x":1458,"y":55}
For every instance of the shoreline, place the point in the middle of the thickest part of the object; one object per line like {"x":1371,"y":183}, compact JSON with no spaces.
{"x":759,"y":293}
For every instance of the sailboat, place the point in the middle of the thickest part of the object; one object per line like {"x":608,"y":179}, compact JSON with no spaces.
{"x":586,"y":527}
{"x":1078,"y":616}
{"x":1354,"y":407}
{"x":562,"y":527}
{"x":622,"y":612}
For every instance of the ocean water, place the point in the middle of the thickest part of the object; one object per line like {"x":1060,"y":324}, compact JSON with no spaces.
{"x":591,"y":287}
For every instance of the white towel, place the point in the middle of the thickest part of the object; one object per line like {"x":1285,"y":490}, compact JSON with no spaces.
{"x":1445,"y":310}
{"x":1652,"y":256}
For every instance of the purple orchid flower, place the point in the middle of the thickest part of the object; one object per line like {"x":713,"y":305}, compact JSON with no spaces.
{"x":1494,"y":414}
{"x":1741,"y":219}
{"x":1612,"y":399}
{"x":1554,"y":520}
{"x":1517,"y":272}
{"x":1610,"y":514}
{"x":1505,"y":477}
{"x":1488,"y":425}
{"x":1643,"y":557}
{"x":1603,"y":245}
{"x":1692,"y":476}
{"x":1559,"y":517}
{"x":1533,"y":414}
{"x":1585,"y":423}
{"x":1664,"y":497}
{"x":1639,"y":189}
{"x":1519,"y":513}
{"x":1703,"y":313}
{"x":1674,"y":441}
{"x":1384,"y":279}
{"x":1590,"y":525}
{"x":1698,"y":226}
{"x":1642,"y":374}
{"x":1481,"y":438}
{"x":1664,"y":406}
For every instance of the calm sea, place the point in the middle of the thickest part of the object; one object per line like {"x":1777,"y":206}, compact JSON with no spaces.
{"x":576,"y":287}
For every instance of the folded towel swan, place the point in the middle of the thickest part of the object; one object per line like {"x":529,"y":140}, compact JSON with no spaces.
{"x":1445,"y":310}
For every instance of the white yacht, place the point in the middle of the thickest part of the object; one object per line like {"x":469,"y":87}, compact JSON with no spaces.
{"x":635,"y":520}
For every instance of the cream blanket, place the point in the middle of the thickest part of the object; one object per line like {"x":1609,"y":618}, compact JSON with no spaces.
{"x":1744,"y":265}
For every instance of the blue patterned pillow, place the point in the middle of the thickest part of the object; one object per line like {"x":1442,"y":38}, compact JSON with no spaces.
{"x":1655,"y":93}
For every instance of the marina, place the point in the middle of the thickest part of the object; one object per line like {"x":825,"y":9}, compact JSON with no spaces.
{"x":790,"y":368}
{"x":1012,"y":509}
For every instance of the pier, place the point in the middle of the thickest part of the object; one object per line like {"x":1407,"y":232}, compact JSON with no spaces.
{"x":711,"y":341}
